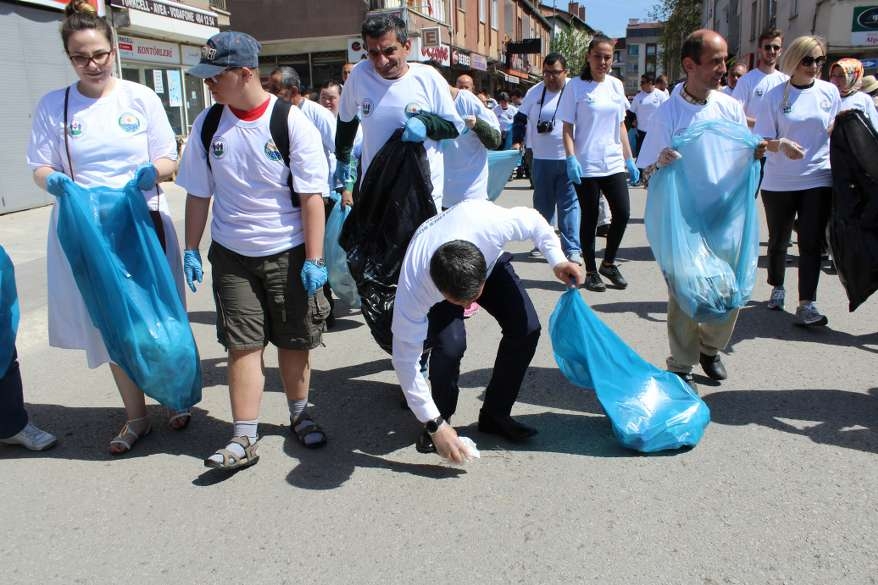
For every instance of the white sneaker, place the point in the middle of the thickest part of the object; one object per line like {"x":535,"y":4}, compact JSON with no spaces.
{"x":775,"y":302}
{"x":807,"y":315}
{"x":32,"y":437}
{"x":535,"y":253}
{"x":575,"y":257}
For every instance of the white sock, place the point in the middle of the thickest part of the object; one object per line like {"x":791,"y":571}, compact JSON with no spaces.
{"x":243,"y":428}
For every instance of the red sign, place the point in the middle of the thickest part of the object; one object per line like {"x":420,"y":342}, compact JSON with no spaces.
{"x":440,"y":54}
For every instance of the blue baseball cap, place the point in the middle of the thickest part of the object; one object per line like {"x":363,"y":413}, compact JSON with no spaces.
{"x":226,"y":50}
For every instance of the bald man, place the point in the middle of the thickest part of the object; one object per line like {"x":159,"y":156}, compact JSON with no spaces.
{"x":466,"y":82}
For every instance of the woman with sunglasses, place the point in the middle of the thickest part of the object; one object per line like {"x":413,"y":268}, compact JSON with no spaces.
{"x":101,"y":131}
{"x":796,"y":117}
{"x":847,"y":75}
{"x":598,"y":153}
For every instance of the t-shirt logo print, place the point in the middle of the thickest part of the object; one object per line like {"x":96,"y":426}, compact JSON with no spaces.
{"x":366,"y":107}
{"x":129,"y":122}
{"x":760,"y":92}
{"x":218,"y":147}
{"x":74,"y":129}
{"x":272,"y":151}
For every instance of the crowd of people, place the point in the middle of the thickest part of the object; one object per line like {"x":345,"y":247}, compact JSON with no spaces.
{"x":266,"y":184}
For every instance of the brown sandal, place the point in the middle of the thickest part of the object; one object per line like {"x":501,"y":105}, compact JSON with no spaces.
{"x":231,"y":460}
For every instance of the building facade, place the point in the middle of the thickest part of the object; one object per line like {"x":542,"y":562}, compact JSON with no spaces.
{"x":850,"y":27}
{"x":642,"y":53}
{"x":156,"y":41}
{"x":463,"y":36}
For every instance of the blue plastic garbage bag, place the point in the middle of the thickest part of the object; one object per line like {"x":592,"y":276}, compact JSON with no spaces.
{"x":9,"y":312}
{"x":340,"y":279}
{"x":124,"y":278}
{"x":701,"y":219}
{"x":650,"y":409}
{"x":501,"y":163}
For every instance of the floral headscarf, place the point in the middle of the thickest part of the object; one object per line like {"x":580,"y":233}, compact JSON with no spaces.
{"x":853,"y":74}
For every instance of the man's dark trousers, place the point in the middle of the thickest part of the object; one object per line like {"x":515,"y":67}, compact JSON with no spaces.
{"x":505,"y":299}
{"x":13,"y":416}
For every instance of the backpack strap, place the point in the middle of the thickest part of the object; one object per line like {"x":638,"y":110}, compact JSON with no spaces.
{"x":208,"y":128}
{"x":280,"y":133}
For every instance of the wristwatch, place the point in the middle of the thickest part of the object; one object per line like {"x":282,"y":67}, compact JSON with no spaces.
{"x":433,"y":425}
{"x":318,"y":261}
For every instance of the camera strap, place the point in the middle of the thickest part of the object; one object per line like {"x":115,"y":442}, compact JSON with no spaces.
{"x":558,"y":103}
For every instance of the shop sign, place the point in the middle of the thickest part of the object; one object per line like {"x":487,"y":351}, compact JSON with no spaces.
{"x":479,"y":62}
{"x":356,"y":50}
{"x":61,"y":4}
{"x":137,"y":49}
{"x":462,"y":59}
{"x":864,"y":28}
{"x":440,"y":54}
{"x":169,"y":10}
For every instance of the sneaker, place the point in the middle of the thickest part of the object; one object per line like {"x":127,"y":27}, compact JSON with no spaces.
{"x":575,"y":257}
{"x":611,"y":271}
{"x":535,"y":253}
{"x":32,"y":437}
{"x":808,"y":316}
{"x":471,"y":310}
{"x":594,"y":283}
{"x":778,"y":294}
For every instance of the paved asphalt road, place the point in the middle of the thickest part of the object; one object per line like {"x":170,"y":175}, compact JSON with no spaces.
{"x":782,"y":489}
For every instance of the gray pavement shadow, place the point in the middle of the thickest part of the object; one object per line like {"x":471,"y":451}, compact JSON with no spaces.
{"x":643,"y":309}
{"x":203,"y":317}
{"x":550,"y":283}
{"x":829,"y":417}
{"x":635,"y":254}
{"x":757,"y":322}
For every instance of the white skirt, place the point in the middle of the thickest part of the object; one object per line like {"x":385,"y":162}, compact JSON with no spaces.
{"x":70,"y":326}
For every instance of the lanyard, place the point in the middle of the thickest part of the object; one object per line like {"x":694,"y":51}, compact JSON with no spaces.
{"x":558,"y":103}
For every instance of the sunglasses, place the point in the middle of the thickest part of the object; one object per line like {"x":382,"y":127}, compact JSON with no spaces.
{"x":810,"y":61}
{"x":771,"y":48}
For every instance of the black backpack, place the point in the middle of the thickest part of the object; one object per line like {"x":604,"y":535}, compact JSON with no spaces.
{"x":280,"y":134}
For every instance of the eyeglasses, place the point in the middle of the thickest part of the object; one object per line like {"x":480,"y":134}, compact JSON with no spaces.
{"x":810,"y":61}
{"x":99,"y":58}
{"x":215,"y":78}
{"x":774,"y":48}
{"x":553,"y":73}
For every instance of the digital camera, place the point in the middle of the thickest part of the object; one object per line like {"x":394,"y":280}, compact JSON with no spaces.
{"x":545,"y":126}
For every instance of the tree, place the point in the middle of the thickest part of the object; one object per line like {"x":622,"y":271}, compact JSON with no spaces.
{"x":680,"y":18}
{"x":573,"y":44}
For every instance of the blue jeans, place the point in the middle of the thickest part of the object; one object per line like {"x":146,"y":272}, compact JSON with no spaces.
{"x":551,"y":188}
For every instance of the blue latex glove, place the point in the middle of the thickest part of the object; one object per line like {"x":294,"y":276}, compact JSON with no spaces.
{"x":415,"y":131}
{"x":343,"y":173}
{"x":313,"y":276}
{"x":633,"y":171}
{"x":574,"y":169}
{"x":55,"y":183}
{"x":192,"y":268}
{"x":146,"y":176}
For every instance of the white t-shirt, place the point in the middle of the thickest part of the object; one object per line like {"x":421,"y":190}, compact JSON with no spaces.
{"x":863,"y":102}
{"x":506,"y":116}
{"x":466,"y":158}
{"x":645,"y":105}
{"x":384,"y":106}
{"x":109,"y":138}
{"x":550,"y":145}
{"x":727,"y":89}
{"x":325,"y":123}
{"x":596,"y":110}
{"x":486,"y":225}
{"x":253,"y":213}
{"x":676,"y":115}
{"x":804,"y":116}
{"x":752,"y":87}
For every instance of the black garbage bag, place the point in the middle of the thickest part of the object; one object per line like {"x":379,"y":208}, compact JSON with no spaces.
{"x":853,"y":225}
{"x":395,"y":198}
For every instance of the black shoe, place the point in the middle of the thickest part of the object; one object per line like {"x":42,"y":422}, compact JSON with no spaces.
{"x":602,"y":231}
{"x":611,"y":271}
{"x":713,"y":367}
{"x":505,"y":427}
{"x":594,"y":283}
{"x":689,"y":379}
{"x":424,"y":444}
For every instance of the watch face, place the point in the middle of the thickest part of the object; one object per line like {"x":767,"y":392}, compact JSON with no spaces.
{"x":433,"y":425}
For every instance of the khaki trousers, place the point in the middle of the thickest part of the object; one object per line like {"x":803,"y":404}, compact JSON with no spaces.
{"x":689,"y":338}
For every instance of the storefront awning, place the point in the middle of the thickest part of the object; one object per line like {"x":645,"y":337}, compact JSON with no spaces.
{"x":166,"y":20}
